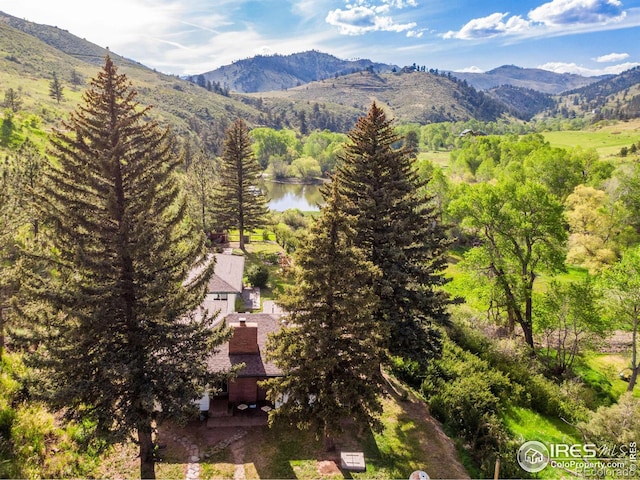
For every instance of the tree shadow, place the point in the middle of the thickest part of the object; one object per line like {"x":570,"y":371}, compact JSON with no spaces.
{"x":411,"y":441}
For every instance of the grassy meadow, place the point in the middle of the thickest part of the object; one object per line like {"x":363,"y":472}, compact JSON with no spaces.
{"x":606,"y":139}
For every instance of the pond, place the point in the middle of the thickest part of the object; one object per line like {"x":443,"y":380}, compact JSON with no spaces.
{"x":283,"y":196}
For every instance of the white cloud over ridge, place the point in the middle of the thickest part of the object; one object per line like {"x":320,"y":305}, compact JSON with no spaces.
{"x":612,"y":57}
{"x":561,"y":67}
{"x":551,"y":17}
{"x":490,"y":26}
{"x":471,"y":69}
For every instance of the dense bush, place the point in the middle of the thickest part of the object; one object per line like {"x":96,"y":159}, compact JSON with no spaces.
{"x":258,"y":275}
{"x":408,"y":371}
{"x":476,"y":380}
{"x":466,"y":394}
{"x":33,"y":444}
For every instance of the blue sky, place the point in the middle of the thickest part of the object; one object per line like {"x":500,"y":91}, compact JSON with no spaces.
{"x":589,"y":37}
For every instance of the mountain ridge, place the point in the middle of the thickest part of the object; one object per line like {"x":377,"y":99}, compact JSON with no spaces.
{"x":544,"y":81}
{"x":262,"y":73}
{"x":343,"y":91}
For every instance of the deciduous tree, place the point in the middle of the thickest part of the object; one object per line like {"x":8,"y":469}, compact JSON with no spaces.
{"x":570,"y":319}
{"x":523,"y":231}
{"x":121,"y":345}
{"x":598,"y":228}
{"x":621,"y":284}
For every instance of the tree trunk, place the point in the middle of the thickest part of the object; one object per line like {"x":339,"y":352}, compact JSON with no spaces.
{"x":1,"y":334}
{"x":511,"y":322}
{"x":329,"y":443}
{"x":634,"y":355}
{"x":147,"y":461}
{"x":527,"y":329}
{"x":633,"y":378}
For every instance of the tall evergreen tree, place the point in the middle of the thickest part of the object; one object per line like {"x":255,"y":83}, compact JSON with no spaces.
{"x":399,"y":230}
{"x":328,"y":353}
{"x":8,"y":226}
{"x":120,"y":340}
{"x":241,"y":204}
{"x":27,"y":172}
{"x":200,"y":184}
{"x":55,"y":88}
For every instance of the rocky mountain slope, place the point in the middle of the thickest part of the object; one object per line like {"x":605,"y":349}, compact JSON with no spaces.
{"x":264,"y":73}
{"x":529,"y":78}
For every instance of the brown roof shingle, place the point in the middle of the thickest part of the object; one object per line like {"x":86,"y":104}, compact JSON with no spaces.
{"x":256,"y":365}
{"x":228,"y":273}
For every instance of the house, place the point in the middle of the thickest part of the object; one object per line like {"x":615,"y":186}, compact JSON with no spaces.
{"x":225,"y":285}
{"x":474,"y":133}
{"x":247,"y":346}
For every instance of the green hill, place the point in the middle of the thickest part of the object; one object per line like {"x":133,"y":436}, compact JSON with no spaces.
{"x":31,"y":53}
{"x":409,"y":96}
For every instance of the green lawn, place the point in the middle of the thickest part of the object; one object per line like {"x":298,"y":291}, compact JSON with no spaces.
{"x":440,"y":158}
{"x":407,"y":443}
{"x":601,"y":371}
{"x":606,"y":140}
{"x":527,"y":425}
{"x":267,"y":253}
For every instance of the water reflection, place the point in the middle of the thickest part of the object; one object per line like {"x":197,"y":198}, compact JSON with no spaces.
{"x":284,"y":196}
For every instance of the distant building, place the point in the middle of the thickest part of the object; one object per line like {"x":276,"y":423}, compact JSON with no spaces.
{"x":473,"y":133}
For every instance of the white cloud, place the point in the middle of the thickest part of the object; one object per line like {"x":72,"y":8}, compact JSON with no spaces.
{"x":612,"y":57}
{"x":490,"y":26}
{"x":570,"y":12}
{"x":471,"y":69}
{"x":364,"y":16}
{"x":556,"y":17}
{"x":561,"y":67}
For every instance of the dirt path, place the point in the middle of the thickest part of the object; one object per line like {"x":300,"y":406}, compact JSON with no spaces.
{"x":237,"y":451}
{"x":439,"y":450}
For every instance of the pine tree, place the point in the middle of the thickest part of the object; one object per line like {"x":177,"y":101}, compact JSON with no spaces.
{"x":328,"y":353}
{"x":241,"y":204}
{"x":55,"y":88}
{"x":120,"y":339}
{"x":200,"y":184}
{"x":12,"y":100}
{"x":8,"y":227}
{"x":399,"y":230}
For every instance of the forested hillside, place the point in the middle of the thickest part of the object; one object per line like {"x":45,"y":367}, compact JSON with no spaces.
{"x":614,"y":98}
{"x":265,"y":73}
{"x":410,"y":96}
{"x":528,"y":78}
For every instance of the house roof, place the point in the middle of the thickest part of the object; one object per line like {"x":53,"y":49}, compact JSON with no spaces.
{"x":228,"y":273}
{"x":256,"y":365}
{"x":211,"y":306}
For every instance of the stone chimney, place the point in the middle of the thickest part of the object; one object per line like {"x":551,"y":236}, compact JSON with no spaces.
{"x":244,"y":338}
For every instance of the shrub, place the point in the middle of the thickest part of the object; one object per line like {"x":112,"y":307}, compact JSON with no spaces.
{"x":616,"y":424}
{"x":408,"y":371}
{"x":32,"y":428}
{"x":258,"y":275}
